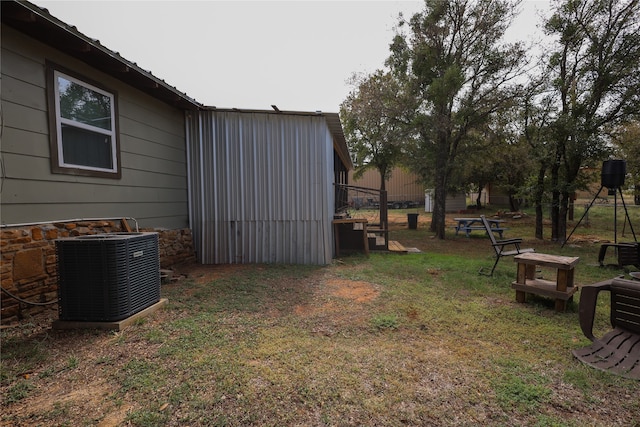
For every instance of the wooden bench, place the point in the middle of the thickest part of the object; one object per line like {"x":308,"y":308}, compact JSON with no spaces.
{"x":617,"y":351}
{"x":562,"y":289}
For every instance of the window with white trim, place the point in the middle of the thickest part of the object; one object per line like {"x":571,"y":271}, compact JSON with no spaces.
{"x":85,"y":127}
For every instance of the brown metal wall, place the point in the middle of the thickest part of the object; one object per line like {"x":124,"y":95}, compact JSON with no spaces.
{"x":402,"y":185}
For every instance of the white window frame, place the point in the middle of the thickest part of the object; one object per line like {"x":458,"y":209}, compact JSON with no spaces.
{"x":59,"y":121}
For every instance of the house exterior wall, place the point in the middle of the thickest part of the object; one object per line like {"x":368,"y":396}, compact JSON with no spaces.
{"x":153,"y":186}
{"x":261,"y":187}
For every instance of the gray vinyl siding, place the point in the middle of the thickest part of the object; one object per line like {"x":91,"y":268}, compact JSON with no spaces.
{"x":456,"y":202}
{"x":261,"y":188}
{"x":153,"y":187}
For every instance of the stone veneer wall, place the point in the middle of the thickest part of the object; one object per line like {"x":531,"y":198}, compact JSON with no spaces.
{"x":28,"y":266}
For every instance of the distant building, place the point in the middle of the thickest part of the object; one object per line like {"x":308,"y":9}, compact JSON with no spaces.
{"x":404,"y":186}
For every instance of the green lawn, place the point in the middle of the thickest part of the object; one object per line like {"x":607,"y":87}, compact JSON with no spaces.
{"x":390,"y":340}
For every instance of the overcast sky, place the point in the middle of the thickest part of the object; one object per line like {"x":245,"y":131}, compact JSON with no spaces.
{"x":297,"y":55}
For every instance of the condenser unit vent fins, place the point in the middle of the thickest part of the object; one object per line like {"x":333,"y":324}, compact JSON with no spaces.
{"x":107,"y":277}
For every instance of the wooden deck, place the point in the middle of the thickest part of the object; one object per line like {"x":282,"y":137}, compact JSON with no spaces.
{"x":397,"y":247}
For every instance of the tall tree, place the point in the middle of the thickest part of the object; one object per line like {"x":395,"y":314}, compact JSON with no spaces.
{"x":627,"y":140}
{"x":536,"y":113}
{"x":595,"y":75}
{"x":477,"y":173}
{"x":458,"y":71}
{"x":501,"y":141}
{"x":372,"y":118}
{"x":513,"y":164}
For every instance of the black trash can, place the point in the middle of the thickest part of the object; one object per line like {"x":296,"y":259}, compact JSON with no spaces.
{"x":413,"y":221}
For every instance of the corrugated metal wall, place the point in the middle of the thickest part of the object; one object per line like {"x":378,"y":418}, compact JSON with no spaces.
{"x":261,"y":187}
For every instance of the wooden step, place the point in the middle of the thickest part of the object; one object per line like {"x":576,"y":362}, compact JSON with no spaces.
{"x":397,"y":247}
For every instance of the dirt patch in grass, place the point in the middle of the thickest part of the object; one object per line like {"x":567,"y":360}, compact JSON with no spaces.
{"x":206,"y":273}
{"x":357,"y":291}
{"x":75,"y":384}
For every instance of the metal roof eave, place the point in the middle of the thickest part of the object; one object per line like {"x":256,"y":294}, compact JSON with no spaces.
{"x":333,"y":123}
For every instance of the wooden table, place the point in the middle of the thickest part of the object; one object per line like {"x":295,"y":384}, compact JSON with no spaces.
{"x":469,"y":224}
{"x":354,"y":234}
{"x":562,"y":289}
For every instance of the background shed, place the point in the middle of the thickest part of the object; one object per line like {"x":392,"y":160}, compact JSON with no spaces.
{"x":403,"y":185}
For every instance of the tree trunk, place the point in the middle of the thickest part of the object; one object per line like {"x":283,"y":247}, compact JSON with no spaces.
{"x":562,"y":217}
{"x":555,"y":216}
{"x":443,"y":158}
{"x":438,"y":217}
{"x":479,"y":198}
{"x":555,"y":201}
{"x":439,"y":200}
{"x":539,"y":192}
{"x":384,"y":215}
{"x":514,"y":203}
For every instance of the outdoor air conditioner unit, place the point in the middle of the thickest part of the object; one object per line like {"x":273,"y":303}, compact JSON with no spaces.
{"x":107,"y":277}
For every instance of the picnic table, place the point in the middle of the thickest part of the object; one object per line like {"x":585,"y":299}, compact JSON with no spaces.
{"x":469,"y":224}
